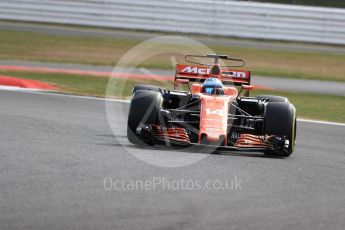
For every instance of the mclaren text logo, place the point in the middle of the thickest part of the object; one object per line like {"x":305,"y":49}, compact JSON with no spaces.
{"x":234,"y":74}
{"x":196,"y":70}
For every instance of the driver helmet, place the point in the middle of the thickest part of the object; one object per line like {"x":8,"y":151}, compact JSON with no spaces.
{"x":213,"y":86}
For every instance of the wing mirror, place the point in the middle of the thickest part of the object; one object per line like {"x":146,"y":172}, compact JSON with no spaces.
{"x":181,"y":82}
{"x":247,"y":88}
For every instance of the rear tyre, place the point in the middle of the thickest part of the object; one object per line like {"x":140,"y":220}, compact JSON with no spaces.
{"x":143,"y":110}
{"x":272,"y":98}
{"x":280,"y":120}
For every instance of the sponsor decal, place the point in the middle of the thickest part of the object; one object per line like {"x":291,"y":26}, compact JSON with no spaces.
{"x":206,"y":71}
{"x":196,"y":70}
{"x":235,"y":135}
{"x":214,"y":112}
{"x":211,"y":130}
{"x":236,"y":74}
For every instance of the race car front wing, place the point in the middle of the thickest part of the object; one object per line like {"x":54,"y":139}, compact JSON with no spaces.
{"x":245,"y":142}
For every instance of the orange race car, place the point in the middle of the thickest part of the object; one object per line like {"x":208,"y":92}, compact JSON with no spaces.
{"x":213,"y":111}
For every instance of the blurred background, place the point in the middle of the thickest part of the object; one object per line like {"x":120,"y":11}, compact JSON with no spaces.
{"x":294,"y":48}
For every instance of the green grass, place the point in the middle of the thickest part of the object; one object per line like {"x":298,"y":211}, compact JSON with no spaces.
{"x":108,"y":51}
{"x":86,"y":85}
{"x":282,"y":63}
{"x":313,"y":106}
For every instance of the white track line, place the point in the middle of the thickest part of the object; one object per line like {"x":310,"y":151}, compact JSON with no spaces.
{"x":320,"y":122}
{"x":15,"y":88}
{"x":127,"y":102}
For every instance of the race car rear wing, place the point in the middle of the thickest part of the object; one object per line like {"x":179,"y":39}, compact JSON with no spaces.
{"x":195,"y":73}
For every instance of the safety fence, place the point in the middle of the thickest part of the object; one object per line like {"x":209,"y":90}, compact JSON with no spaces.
{"x":211,"y":17}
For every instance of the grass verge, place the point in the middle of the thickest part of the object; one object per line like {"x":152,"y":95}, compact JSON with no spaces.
{"x":86,"y":85}
{"x":30,"y":46}
{"x":313,"y":106}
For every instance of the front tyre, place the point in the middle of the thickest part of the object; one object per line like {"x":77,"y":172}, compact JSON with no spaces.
{"x":143,"y":110}
{"x":152,"y":88}
{"x":280,"y":120}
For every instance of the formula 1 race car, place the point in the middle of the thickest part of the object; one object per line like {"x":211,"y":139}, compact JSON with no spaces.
{"x":216,"y":110}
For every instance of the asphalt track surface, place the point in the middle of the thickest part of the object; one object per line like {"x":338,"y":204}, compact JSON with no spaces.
{"x":287,"y":84}
{"x":56,"y":151}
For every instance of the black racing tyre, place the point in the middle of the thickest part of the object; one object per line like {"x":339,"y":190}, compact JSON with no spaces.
{"x":147,"y":88}
{"x":143,"y":110}
{"x":280,"y":120}
{"x":272,"y":98}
